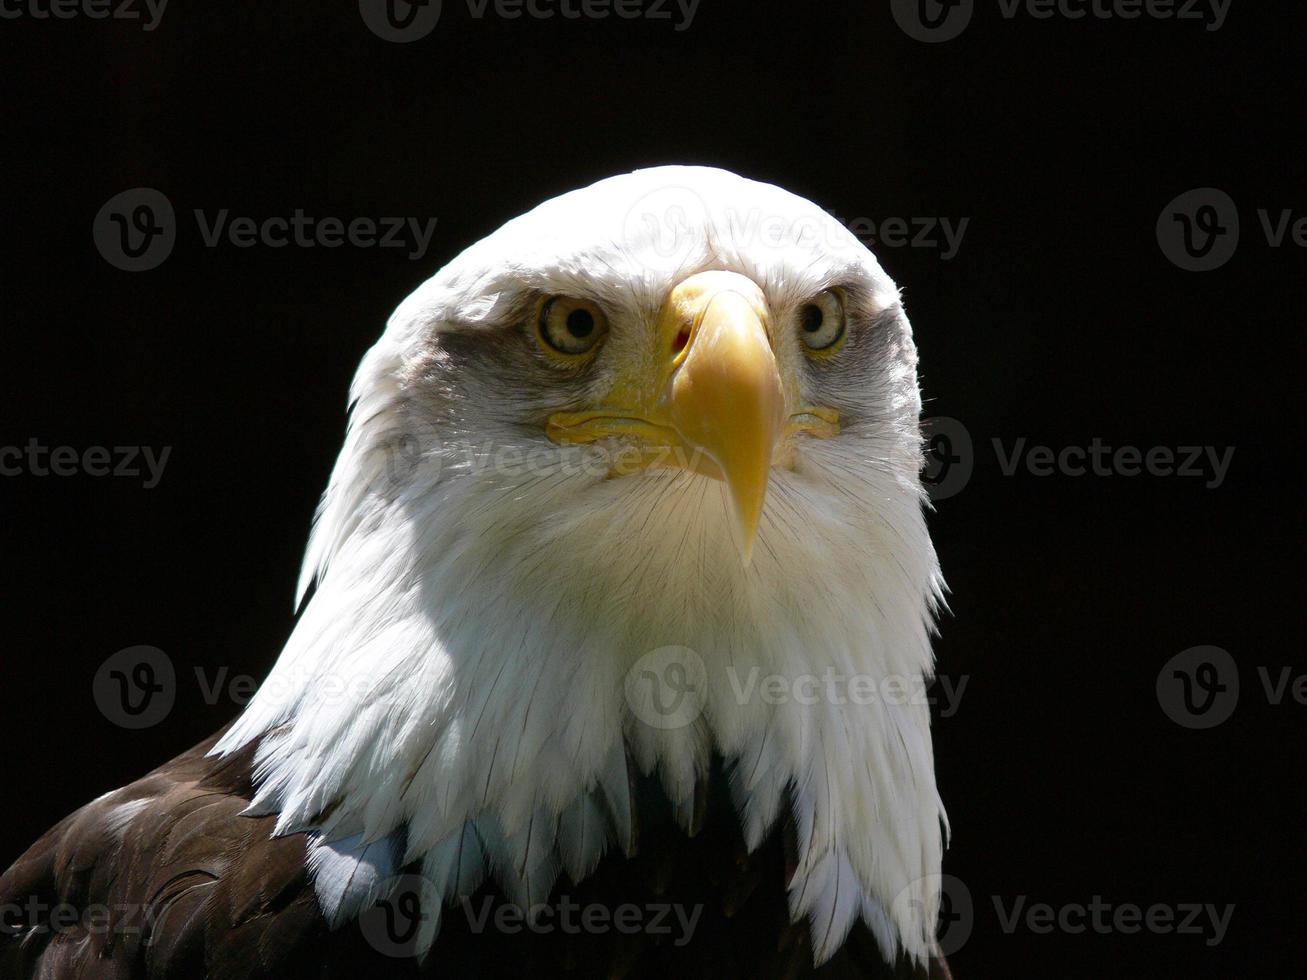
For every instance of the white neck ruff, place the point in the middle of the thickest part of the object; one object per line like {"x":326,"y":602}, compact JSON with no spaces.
{"x":466,"y":684}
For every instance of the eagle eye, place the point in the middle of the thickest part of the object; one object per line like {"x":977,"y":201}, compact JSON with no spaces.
{"x":570,"y":328}
{"x":823,"y":322}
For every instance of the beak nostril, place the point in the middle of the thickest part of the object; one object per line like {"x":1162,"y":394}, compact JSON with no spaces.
{"x":682,"y":338}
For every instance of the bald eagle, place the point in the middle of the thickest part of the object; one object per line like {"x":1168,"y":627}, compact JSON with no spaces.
{"x":604,"y":613}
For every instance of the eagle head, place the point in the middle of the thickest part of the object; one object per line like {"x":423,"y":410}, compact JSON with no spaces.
{"x":656,"y":436}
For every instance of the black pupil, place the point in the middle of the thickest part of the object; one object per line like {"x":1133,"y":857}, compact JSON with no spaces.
{"x":812,"y":318}
{"x":580,"y":323}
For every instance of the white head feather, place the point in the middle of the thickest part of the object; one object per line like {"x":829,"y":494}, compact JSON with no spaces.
{"x":481,"y":594}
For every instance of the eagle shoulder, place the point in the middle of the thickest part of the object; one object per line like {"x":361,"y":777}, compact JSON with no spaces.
{"x":166,"y":879}
{"x":161,"y":878}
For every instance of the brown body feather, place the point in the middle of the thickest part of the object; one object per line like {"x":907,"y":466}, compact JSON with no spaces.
{"x":165,"y":879}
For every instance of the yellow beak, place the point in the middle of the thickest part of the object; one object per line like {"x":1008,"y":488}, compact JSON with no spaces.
{"x":714,"y":396}
{"x":725,"y":399}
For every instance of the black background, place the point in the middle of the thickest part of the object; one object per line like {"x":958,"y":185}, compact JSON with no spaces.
{"x":1059,"y":320}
